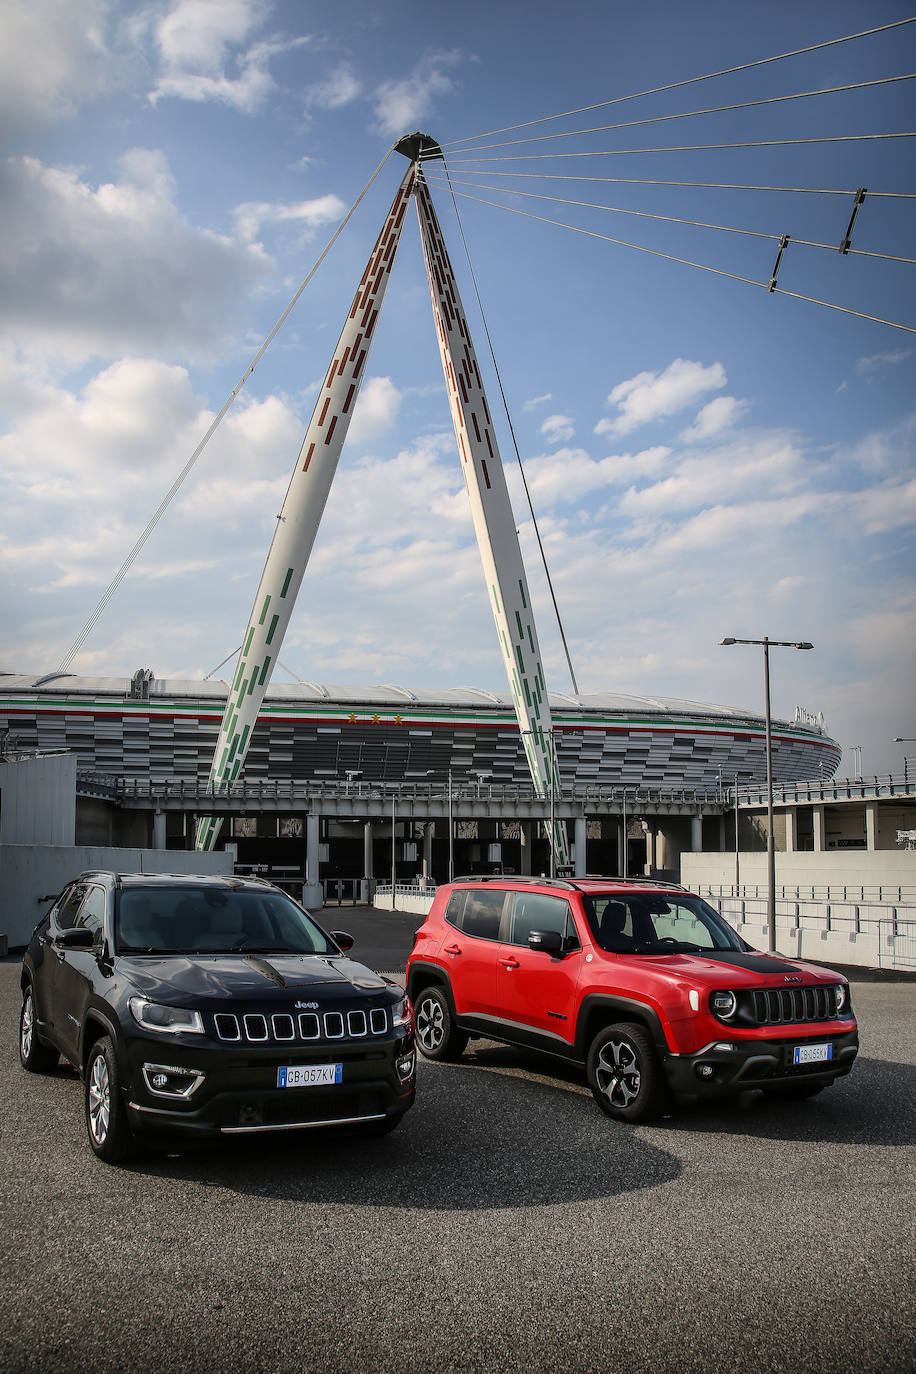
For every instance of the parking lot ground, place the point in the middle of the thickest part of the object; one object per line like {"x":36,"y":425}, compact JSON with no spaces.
{"x":506,"y":1226}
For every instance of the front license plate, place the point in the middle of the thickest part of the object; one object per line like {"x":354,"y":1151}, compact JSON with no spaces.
{"x":309,"y":1075}
{"x":811,"y":1054}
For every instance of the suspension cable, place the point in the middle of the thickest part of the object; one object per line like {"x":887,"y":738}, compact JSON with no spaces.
{"x":689,"y":81}
{"x":534,"y":521}
{"x":703,"y":185}
{"x":690,"y":114}
{"x":693,"y":147}
{"x":688,"y":262}
{"x":179,"y":480}
{"x":672,"y":219}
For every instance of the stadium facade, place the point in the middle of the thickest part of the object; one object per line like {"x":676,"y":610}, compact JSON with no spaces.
{"x":160,"y":729}
{"x":641,"y":778}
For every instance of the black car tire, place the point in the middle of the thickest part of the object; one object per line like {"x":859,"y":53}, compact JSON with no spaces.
{"x":625,"y":1075}
{"x":796,"y":1092}
{"x":34,"y":1054}
{"x":437,"y":1035}
{"x":106,"y":1116}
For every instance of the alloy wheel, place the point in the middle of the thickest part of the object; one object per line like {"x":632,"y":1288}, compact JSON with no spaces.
{"x":99,"y":1099}
{"x":617,"y":1073}
{"x":430,"y":1024}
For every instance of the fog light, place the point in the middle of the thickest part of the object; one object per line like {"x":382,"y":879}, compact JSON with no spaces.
{"x":405,"y":1066}
{"x":170,"y":1080}
{"x":705,"y":1070}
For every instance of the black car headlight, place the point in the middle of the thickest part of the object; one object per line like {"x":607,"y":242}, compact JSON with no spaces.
{"x":402,"y":1015}
{"x":154,"y":1016}
{"x":723,"y":1004}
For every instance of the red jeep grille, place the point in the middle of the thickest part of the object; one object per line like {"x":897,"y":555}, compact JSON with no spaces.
{"x":788,"y":1006}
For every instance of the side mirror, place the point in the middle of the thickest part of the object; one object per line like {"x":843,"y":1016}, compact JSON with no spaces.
{"x":77,"y":937}
{"x":548,"y":941}
{"x":345,"y":941}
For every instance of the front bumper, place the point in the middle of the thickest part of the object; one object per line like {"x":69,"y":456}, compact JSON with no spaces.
{"x":734,"y":1066}
{"x":239,"y":1093}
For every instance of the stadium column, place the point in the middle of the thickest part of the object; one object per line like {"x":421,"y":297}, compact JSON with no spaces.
{"x":491,"y":512}
{"x":297,"y":523}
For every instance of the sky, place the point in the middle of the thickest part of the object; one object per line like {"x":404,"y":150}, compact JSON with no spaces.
{"x":705,"y":458}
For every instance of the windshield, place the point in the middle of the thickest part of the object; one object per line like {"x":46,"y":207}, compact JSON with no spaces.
{"x":656,"y":923}
{"x":210,"y":920}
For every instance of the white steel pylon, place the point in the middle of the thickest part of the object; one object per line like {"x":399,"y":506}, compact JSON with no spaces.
{"x":297,"y":524}
{"x":491,"y":510}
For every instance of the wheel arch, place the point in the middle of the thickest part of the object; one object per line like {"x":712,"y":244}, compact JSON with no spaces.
{"x":95,"y":1025}
{"x":422,"y":975}
{"x":605,"y":1009}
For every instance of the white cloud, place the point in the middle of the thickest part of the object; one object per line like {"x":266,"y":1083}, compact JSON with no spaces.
{"x":402,"y":104}
{"x":52,"y":56}
{"x":96,"y":271}
{"x":719,"y":414}
{"x":651,"y":395}
{"x":558,"y":429}
{"x":340,"y":87}
{"x":200,"y":45}
{"x":767,"y":462}
{"x":536,"y":401}
{"x":310,"y":214}
{"x":571,"y":473}
{"x":876,"y":362}
{"x":376,"y":410}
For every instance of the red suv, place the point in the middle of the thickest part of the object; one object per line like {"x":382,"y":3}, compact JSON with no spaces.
{"x":642,"y":983}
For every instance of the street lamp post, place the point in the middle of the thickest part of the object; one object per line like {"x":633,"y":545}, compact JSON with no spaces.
{"x":767,"y":644}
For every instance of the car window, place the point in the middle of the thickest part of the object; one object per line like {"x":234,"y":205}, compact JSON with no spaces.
{"x":537,"y":911}
{"x":183,"y":920}
{"x":654,"y":923}
{"x":476,"y":913}
{"x":92,"y":912}
{"x":67,"y":909}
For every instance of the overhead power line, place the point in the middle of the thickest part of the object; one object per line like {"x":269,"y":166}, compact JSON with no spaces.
{"x":689,"y":81}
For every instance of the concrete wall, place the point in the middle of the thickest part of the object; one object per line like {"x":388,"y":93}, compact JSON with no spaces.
{"x":32,"y":874}
{"x":38,"y":800}
{"x":885,"y":868}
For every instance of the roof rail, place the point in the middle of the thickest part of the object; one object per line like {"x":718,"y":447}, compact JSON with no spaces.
{"x":564,"y":883}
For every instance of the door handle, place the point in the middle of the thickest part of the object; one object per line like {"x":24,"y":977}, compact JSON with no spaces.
{"x":509,"y":963}
{"x":453,"y":950}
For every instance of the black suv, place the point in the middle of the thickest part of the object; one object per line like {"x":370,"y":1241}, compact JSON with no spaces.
{"x":209,"y":1006}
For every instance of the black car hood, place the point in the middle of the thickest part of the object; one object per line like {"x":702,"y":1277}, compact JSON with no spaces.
{"x":244,"y":976}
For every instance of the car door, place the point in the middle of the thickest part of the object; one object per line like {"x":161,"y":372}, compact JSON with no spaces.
{"x":77,"y":969}
{"x":534,"y":989}
{"x":469,"y":949}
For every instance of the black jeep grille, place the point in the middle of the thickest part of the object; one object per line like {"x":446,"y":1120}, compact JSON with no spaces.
{"x":788,"y":1006}
{"x":305,"y":1027}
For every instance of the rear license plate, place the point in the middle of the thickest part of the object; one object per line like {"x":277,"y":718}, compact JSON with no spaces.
{"x":309,"y":1075}
{"x":811,"y":1054}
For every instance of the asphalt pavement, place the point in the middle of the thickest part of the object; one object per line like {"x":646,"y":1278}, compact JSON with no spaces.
{"x":507,"y":1225}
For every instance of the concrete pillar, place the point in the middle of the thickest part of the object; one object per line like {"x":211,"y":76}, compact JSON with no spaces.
{"x":579,"y":841}
{"x":428,"y":831}
{"x":312,"y":895}
{"x":525,"y":861}
{"x":791,"y":829}
{"x":159,"y":830}
{"x":820,"y":829}
{"x":650,"y":851}
{"x":871,"y":825}
{"x":621,"y":849}
{"x":722,"y":834}
{"x":696,"y":834}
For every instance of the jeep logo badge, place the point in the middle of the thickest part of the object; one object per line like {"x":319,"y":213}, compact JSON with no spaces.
{"x":310,"y":1006}
{"x":793,"y":978}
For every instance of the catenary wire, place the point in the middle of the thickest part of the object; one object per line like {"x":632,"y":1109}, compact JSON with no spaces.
{"x":518,"y":455}
{"x":688,"y":114}
{"x":688,"y":262}
{"x":689,"y":81}
{"x":668,"y":219}
{"x":179,"y":480}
